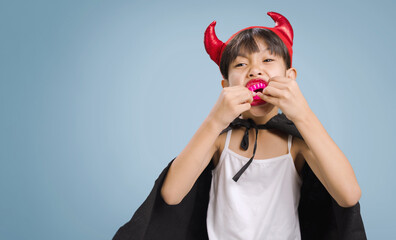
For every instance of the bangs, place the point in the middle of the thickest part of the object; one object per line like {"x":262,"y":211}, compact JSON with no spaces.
{"x":247,"y":45}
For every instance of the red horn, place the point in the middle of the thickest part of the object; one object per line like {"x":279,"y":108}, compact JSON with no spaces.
{"x":283,"y":26}
{"x":213,"y":45}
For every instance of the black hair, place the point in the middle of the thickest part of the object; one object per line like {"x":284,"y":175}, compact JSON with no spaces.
{"x":245,"y":42}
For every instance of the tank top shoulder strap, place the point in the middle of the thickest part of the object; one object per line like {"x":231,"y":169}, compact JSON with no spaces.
{"x":289,"y":142}
{"x":227,"y":142}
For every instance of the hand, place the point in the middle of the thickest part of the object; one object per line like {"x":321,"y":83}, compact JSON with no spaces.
{"x":231,"y":103}
{"x":284,"y":93}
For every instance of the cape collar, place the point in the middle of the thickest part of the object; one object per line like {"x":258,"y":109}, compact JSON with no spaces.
{"x":276,"y":122}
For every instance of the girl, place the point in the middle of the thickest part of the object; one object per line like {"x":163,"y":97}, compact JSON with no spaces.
{"x":220,"y":187}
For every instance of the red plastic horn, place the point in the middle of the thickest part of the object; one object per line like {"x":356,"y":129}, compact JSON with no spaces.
{"x":214,"y":47}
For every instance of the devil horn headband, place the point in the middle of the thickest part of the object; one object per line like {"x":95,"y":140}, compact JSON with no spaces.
{"x":215,"y":47}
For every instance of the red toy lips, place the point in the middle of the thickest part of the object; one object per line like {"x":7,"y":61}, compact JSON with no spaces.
{"x":257,"y":85}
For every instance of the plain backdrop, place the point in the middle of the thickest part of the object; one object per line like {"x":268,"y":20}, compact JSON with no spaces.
{"x":96,"y":97}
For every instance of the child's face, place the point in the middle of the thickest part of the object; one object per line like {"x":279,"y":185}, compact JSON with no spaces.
{"x":257,"y":65}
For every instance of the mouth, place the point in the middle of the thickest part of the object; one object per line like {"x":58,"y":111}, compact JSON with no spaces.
{"x":257,"y":102}
{"x":257,"y":81}
{"x":257,"y":85}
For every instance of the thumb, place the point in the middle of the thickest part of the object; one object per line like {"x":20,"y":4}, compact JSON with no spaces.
{"x":243,"y":107}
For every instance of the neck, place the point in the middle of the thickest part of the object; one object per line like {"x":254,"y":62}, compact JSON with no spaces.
{"x":259,"y":120}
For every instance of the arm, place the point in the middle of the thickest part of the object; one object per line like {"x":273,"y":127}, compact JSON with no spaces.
{"x":194,"y":158}
{"x":190,"y":163}
{"x":327,"y":161}
{"x":321,"y":153}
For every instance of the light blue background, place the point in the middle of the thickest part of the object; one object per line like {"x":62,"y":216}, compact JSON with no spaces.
{"x":96,"y":97}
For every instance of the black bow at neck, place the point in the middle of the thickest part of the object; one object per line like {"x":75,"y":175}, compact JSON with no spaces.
{"x":273,"y":123}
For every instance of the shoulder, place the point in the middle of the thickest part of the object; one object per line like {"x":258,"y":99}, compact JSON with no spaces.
{"x":299,"y":144}
{"x":303,"y":149}
{"x":237,"y":133}
{"x":299,"y":149}
{"x":219,"y":145}
{"x":220,"y":142}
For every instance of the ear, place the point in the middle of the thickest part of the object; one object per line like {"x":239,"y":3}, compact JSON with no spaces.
{"x":224,"y":83}
{"x":291,"y":73}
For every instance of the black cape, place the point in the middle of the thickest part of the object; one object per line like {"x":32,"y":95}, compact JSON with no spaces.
{"x":320,"y":215}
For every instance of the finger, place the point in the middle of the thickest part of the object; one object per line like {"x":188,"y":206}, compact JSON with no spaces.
{"x":236,"y":93}
{"x":270,"y":99}
{"x":243,"y":107}
{"x":244,"y":96}
{"x":278,"y":85}
{"x":271,"y":91}
{"x":279,"y":79}
{"x":238,"y":88}
{"x":239,"y":91}
{"x":247,"y":97}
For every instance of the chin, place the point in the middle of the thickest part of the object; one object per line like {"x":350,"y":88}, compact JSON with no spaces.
{"x":261,"y":110}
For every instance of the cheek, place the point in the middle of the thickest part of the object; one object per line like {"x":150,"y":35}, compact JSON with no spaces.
{"x":235,"y":82}
{"x":235,"y":79}
{"x":277,"y":72}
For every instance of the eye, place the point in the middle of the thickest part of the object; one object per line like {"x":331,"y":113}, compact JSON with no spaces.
{"x":268,"y":60}
{"x":240,"y":64}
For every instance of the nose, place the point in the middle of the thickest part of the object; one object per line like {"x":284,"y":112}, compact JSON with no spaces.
{"x":255,"y":71}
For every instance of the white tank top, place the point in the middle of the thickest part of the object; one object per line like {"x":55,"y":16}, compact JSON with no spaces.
{"x":263,"y":204}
